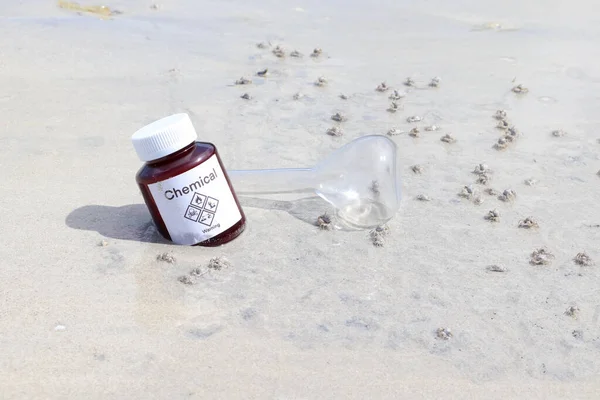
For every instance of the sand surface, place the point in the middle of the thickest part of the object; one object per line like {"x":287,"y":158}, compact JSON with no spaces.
{"x":301,"y":313}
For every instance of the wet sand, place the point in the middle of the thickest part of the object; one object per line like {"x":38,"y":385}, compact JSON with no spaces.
{"x":485,"y":285}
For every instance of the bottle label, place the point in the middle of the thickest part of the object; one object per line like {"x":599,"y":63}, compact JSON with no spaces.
{"x":196,"y":205}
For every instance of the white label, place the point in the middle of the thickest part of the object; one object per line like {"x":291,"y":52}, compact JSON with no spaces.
{"x":196,"y":205}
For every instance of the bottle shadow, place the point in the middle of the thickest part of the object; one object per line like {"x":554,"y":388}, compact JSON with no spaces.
{"x":129,"y":222}
{"x":133,"y":221}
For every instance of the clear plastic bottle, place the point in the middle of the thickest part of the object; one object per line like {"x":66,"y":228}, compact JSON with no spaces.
{"x":185,"y":186}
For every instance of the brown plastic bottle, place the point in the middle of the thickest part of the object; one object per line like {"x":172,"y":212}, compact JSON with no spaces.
{"x":185,"y":185}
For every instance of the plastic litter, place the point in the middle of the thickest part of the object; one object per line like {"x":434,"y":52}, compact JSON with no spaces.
{"x":360,"y":180}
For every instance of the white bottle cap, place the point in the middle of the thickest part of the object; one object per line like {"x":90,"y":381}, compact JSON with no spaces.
{"x":164,"y":137}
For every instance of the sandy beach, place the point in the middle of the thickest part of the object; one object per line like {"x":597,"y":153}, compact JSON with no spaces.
{"x":487,"y":285}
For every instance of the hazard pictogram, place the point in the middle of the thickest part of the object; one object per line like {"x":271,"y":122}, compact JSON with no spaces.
{"x":202,"y":209}
{"x":192,"y":213}
{"x":212,"y":204}
{"x":198,"y":200}
{"x":206,"y":218}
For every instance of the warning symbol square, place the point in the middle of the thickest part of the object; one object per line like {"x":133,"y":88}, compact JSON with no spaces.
{"x":198,"y":200}
{"x":206,"y":218}
{"x":212,"y":204}
{"x":192,"y":213}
